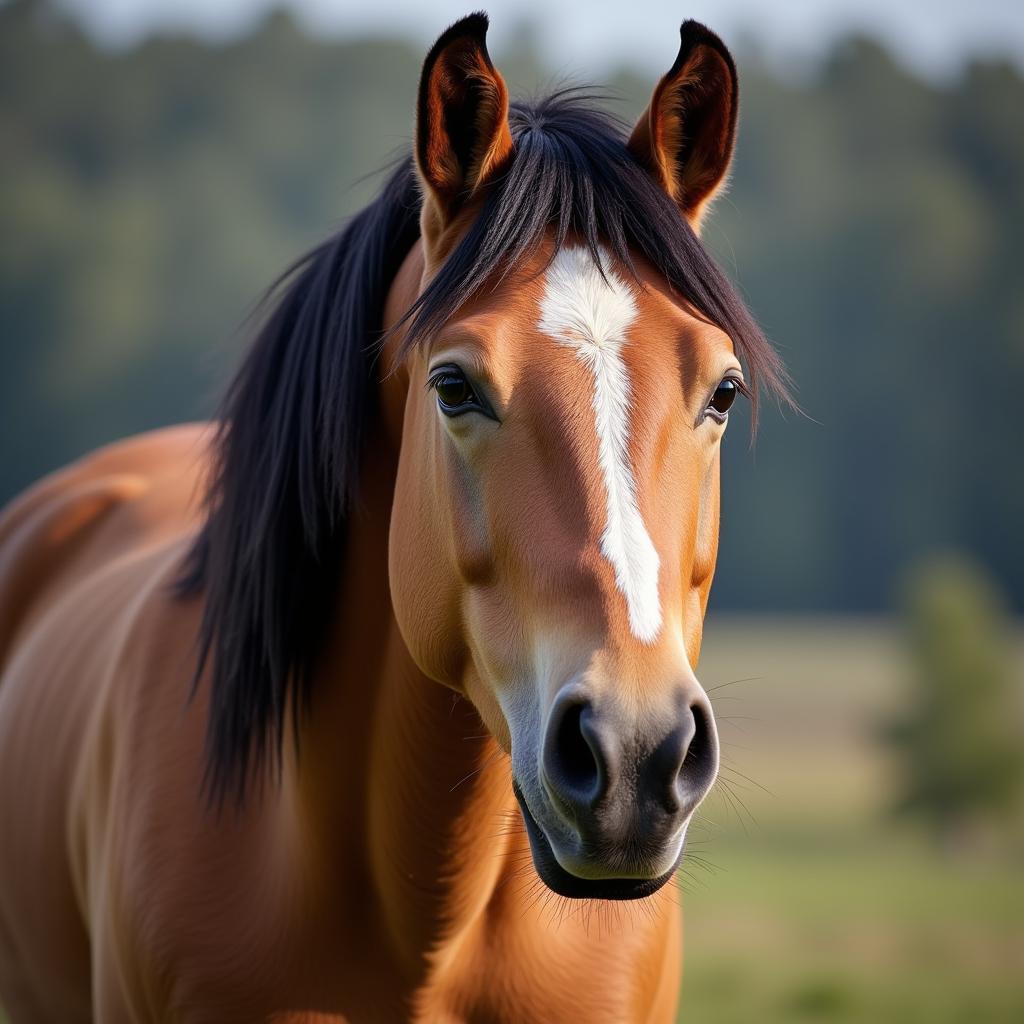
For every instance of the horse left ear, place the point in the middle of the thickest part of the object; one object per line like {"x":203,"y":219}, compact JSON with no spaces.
{"x":685,"y":137}
{"x":462,"y":132}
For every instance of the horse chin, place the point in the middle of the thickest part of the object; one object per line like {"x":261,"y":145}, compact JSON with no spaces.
{"x":564,"y":883}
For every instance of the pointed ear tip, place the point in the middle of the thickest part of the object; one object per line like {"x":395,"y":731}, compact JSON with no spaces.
{"x":472,"y":26}
{"x":694,"y":33}
{"x":692,"y":36}
{"x":694,"y":30}
{"x":475,"y":25}
{"x":478,"y":21}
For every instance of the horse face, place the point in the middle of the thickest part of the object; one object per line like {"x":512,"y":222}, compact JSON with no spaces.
{"x":555,"y":523}
{"x":553,"y":542}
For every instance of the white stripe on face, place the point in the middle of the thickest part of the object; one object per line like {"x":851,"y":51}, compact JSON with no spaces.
{"x":591,"y":314}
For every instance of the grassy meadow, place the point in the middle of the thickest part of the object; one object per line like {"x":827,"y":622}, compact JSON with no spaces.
{"x":804,"y":900}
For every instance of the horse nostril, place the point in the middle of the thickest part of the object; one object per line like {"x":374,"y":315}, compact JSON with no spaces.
{"x":575,"y":759}
{"x":681,"y":768}
{"x":697,"y":771}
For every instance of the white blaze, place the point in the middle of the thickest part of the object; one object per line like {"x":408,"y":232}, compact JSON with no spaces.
{"x":591,"y":314}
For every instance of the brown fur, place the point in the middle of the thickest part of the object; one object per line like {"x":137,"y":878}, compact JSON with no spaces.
{"x":366,"y":884}
{"x":386,"y":875}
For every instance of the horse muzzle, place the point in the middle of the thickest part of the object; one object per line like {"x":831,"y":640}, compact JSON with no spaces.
{"x":615,"y":792}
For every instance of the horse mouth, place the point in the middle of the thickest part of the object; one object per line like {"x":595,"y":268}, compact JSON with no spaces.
{"x":564,"y":883}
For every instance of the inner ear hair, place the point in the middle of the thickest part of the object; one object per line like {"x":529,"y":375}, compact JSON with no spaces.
{"x":686,"y":136}
{"x":462,"y":132}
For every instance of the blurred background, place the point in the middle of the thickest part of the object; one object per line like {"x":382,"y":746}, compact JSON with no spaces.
{"x":863,"y":858}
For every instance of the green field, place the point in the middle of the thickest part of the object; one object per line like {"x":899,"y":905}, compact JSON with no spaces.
{"x":812,"y":904}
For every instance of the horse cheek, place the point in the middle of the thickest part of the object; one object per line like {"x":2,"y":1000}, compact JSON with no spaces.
{"x":426,"y":590}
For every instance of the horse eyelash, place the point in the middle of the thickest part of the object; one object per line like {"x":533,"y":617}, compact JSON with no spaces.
{"x":437,"y":374}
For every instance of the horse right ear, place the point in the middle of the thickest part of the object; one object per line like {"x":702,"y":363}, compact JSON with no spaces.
{"x":685,"y":137}
{"x":462,"y":132}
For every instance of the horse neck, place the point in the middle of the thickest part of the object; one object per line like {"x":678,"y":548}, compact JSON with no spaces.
{"x":400,"y":783}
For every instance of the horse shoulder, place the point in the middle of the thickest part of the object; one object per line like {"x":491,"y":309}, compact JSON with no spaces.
{"x":79,"y":517}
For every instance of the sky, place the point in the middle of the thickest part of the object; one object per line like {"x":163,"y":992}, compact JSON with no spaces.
{"x":934,"y":37}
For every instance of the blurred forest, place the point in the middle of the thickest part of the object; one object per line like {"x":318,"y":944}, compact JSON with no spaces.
{"x":875,"y":224}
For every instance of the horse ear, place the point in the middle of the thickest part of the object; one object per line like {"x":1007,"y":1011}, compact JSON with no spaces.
{"x":685,"y":137}
{"x":462,"y":131}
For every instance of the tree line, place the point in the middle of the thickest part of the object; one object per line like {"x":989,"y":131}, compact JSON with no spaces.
{"x":874,"y":223}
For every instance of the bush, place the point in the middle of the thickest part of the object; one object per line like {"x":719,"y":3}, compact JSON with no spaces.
{"x":959,"y":744}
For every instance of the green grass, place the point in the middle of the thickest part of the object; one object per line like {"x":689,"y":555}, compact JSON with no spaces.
{"x":883,"y":934}
{"x":808,"y":902}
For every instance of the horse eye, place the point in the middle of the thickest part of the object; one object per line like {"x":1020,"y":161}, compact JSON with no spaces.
{"x":455,"y":395}
{"x":453,"y":389}
{"x":724,"y":396}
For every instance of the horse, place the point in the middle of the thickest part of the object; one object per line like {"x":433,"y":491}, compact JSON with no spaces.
{"x":375,"y":699}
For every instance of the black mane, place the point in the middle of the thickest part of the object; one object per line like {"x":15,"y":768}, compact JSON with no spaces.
{"x":293,"y":421}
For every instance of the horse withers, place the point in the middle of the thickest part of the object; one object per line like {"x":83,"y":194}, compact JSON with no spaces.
{"x":376,"y":699}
